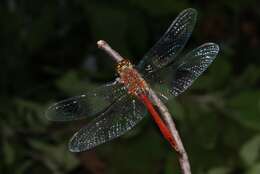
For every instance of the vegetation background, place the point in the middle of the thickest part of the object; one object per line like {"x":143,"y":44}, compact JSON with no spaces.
{"x":48,"y":52}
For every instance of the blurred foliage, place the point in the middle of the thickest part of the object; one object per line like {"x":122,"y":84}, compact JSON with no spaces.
{"x":48,"y":53}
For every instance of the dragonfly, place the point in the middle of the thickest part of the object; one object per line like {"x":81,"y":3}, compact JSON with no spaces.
{"x":116,"y":107}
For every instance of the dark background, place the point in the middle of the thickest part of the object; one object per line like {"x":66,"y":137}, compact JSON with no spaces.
{"x":48,"y":52}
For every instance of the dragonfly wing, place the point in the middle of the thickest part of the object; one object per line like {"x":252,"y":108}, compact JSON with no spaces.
{"x":118,"y":119}
{"x":89,"y":104}
{"x":176,"y":78}
{"x":170,"y":44}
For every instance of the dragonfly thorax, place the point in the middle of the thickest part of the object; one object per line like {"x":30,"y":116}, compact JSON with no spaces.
{"x":122,"y":65}
{"x":129,"y":76}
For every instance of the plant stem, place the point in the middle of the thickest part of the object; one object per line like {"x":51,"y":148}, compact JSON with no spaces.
{"x":106,"y":47}
{"x":183,"y":157}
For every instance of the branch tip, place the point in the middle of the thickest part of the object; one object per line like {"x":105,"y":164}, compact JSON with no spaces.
{"x":101,"y":43}
{"x":106,"y":47}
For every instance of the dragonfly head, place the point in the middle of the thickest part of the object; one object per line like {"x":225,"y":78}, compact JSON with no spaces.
{"x":122,"y":65}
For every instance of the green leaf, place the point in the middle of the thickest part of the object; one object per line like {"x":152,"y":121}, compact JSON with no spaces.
{"x":213,"y":78}
{"x":246,"y":108}
{"x":71,"y":84}
{"x":176,"y":109}
{"x":32,"y":113}
{"x":141,"y":155}
{"x":23,"y":167}
{"x":219,"y":170}
{"x":254,"y":169}
{"x":250,"y":151}
{"x":58,"y":154}
{"x":9,"y":153}
{"x":250,"y":76}
{"x":172,"y":165}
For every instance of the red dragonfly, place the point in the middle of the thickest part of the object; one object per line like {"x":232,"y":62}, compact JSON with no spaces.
{"x":118,"y":106}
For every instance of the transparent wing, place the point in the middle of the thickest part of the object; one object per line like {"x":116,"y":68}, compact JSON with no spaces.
{"x":118,"y":119}
{"x":170,"y":44}
{"x":176,"y":78}
{"x":89,"y":104}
